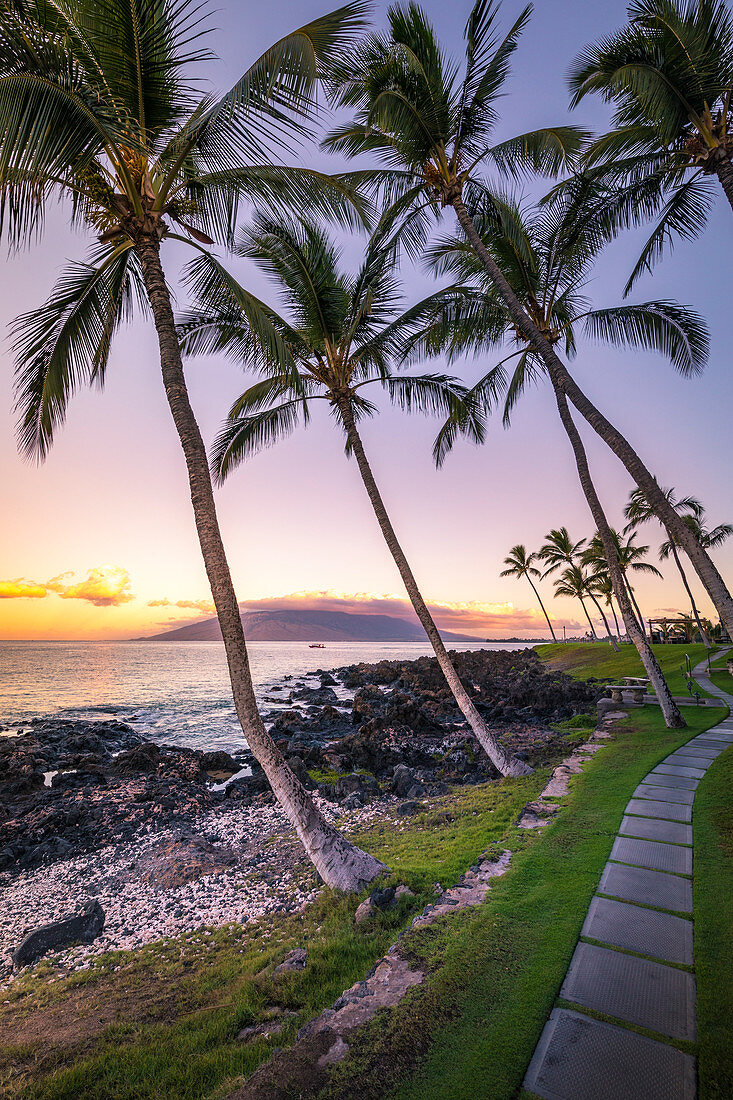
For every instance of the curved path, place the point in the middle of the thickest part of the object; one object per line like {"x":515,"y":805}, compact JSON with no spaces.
{"x":634,"y":961}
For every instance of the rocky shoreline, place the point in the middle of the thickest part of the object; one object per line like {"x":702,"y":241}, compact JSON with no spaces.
{"x":170,"y":839}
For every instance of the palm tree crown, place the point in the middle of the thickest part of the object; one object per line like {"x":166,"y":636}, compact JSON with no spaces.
{"x":669,"y":73}
{"x":431,"y":122}
{"x":520,"y":564}
{"x":559,"y":549}
{"x":97,"y":103}
{"x":345,"y":332}
{"x":546,"y":255}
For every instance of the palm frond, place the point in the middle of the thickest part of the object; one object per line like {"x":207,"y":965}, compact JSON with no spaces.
{"x":674,"y":330}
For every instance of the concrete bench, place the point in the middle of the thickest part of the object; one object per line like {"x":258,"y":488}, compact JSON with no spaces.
{"x":638,"y":692}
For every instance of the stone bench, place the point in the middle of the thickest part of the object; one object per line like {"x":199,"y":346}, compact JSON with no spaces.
{"x":638,"y":692}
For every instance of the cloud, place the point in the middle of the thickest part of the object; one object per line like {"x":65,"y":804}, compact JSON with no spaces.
{"x":106,"y":586}
{"x":204,"y":607}
{"x":20,"y":589}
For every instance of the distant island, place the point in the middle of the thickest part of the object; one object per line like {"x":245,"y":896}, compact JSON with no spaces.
{"x":309,"y":626}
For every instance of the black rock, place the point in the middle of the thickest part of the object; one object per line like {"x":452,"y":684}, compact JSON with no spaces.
{"x":80,"y":928}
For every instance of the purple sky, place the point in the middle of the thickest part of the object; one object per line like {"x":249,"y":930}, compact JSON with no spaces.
{"x":296,"y":520}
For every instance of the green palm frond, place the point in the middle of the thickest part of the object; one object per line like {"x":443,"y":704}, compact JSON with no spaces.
{"x":66,"y":342}
{"x":676,"y":331}
{"x":243,"y":436}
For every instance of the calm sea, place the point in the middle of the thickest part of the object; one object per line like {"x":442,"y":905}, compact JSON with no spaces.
{"x":176,"y":692}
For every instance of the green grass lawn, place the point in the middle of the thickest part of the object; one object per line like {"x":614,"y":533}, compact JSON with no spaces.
{"x":713,"y":901}
{"x":584,"y":660}
{"x":495,"y":972}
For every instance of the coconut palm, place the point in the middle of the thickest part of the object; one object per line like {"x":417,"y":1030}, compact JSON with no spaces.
{"x":345,"y":335}
{"x":573,"y":582}
{"x":521,"y":564}
{"x":100,"y":103}
{"x":431,"y":129}
{"x":548,"y":254}
{"x":559,"y":549}
{"x":631,"y":559}
{"x":669,"y":74}
{"x":638,"y":512}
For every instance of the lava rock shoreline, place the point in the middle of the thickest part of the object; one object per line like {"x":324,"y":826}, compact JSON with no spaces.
{"x":392,"y":729}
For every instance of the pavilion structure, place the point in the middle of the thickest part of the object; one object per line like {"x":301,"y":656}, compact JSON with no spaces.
{"x":681,"y":629}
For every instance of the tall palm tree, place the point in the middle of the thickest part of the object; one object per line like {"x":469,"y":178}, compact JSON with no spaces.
{"x":637,"y":512}
{"x":669,"y":74}
{"x":521,"y":564}
{"x":345,"y":335}
{"x":547,"y":255}
{"x":573,"y":582}
{"x":100,"y":103}
{"x":631,"y":559}
{"x":431,"y":129}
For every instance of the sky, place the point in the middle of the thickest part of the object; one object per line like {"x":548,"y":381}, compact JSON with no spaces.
{"x":99,"y":542}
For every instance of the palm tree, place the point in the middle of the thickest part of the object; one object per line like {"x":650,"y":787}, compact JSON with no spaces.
{"x":521,"y":564}
{"x":547,"y":255}
{"x":99,"y":103}
{"x":431,"y":130}
{"x":631,"y":559}
{"x":638,"y":512}
{"x":573,"y":582}
{"x":345,"y":335}
{"x":669,"y":74}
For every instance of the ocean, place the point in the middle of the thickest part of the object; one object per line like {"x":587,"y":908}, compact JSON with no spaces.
{"x":173,"y":692}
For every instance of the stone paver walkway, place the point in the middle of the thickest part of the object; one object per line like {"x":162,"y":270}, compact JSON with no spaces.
{"x":634,"y":962}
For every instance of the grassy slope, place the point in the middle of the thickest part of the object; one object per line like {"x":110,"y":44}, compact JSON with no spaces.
{"x":164,"y":1025}
{"x":596,"y":659}
{"x":713,"y":894}
{"x":471,"y":1029}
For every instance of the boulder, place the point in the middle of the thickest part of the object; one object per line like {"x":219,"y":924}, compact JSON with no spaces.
{"x":294,"y":960}
{"x":409,"y":809}
{"x":80,"y":928}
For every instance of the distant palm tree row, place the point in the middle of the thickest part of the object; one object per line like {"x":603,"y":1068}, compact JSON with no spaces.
{"x":585,"y":574}
{"x":100,"y":104}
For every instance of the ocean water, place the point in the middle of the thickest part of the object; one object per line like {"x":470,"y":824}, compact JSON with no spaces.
{"x":174,"y":692}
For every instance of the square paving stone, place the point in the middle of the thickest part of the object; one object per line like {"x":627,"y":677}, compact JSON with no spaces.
{"x":683,"y":760}
{"x":647,"y":887}
{"x":672,"y":832}
{"x":579,"y":1058}
{"x":670,"y":811}
{"x":677,"y":769}
{"x":663,"y":794}
{"x":637,"y":929}
{"x":709,"y":740}
{"x":679,"y":781}
{"x":648,"y":994}
{"x":704,"y":750}
{"x":652,"y":854}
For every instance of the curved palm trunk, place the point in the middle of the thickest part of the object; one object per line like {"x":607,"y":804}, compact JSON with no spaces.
{"x":615,"y":619}
{"x":670,"y":710}
{"x":688,"y":590}
{"x":637,"y":609}
{"x":500,"y":758}
{"x":561,"y":378}
{"x":539,"y":600}
{"x":339,"y":863}
{"x":590,"y":622}
{"x":602,"y":613}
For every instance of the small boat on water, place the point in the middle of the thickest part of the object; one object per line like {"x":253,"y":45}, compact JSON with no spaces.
{"x":316,"y":645}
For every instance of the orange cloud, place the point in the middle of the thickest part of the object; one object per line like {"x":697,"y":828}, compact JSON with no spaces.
{"x":106,"y":586}
{"x":205,"y":607}
{"x":20,"y":589}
